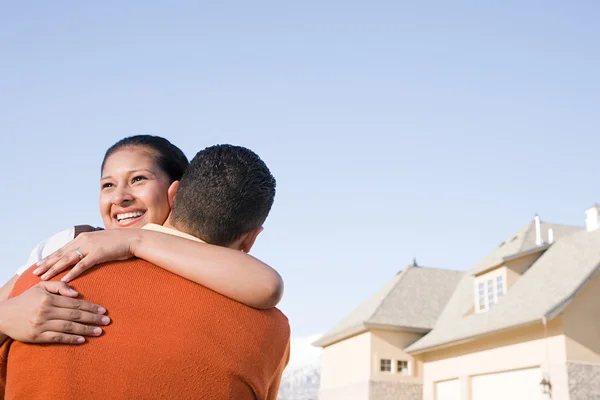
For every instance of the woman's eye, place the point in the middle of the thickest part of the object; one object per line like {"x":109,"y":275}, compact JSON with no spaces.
{"x":138,"y":179}
{"x":107,"y":185}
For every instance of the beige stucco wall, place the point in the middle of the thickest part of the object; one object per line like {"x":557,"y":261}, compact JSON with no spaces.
{"x":347,"y":364}
{"x":582,"y":324}
{"x":511,"y":350}
{"x":391,"y":345}
{"x":350,"y":369}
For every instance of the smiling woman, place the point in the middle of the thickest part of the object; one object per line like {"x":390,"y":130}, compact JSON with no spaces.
{"x":139,"y":181}
{"x":134,"y":190}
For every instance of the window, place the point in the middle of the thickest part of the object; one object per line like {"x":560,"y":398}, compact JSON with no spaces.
{"x":481,"y":296}
{"x":490,"y":290}
{"x":499,"y":286}
{"x":403,"y":367}
{"x":386,"y":365}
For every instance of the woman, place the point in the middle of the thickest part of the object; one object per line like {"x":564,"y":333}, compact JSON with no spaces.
{"x":139,"y":179}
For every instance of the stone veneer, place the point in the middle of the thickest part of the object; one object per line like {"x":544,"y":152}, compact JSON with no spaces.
{"x":584,"y":381}
{"x":355,"y":391}
{"x":394,"y":390}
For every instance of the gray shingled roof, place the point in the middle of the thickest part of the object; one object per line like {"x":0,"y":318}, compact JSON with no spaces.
{"x":543,"y":290}
{"x":521,"y":241}
{"x":412,"y":300}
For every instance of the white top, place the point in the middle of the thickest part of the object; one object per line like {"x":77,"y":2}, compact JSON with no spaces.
{"x":47,"y":247}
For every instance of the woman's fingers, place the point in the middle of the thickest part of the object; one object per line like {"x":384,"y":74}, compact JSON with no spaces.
{"x":83,"y":317}
{"x":58,"y":337}
{"x":72,"y":328}
{"x":67,"y":260}
{"x":76,"y":304}
{"x":58,"y":288}
{"x":67,"y":251}
{"x":79,"y":269}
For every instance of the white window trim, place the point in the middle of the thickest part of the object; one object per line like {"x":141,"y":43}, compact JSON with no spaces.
{"x":394,"y":366}
{"x":479,"y":294}
{"x":391,"y":371}
{"x":501,"y":275}
{"x":484,"y":279}
{"x":408,"y":368}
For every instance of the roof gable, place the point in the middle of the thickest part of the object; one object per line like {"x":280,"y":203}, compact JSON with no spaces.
{"x":413,"y":300}
{"x":522,"y":241}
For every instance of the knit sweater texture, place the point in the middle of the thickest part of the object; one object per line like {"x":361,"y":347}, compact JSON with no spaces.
{"x":169,"y":338}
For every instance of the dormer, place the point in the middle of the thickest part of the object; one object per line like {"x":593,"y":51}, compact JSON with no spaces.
{"x":492,"y":285}
{"x":496,"y":273}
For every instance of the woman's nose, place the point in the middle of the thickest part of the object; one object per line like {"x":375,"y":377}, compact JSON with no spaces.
{"x":121,"y":195}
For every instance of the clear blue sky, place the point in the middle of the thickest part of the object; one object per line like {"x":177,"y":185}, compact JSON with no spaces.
{"x":395,"y":129}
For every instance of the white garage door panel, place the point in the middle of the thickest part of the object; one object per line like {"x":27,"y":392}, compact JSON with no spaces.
{"x":447,"y":390}
{"x":514,"y":385}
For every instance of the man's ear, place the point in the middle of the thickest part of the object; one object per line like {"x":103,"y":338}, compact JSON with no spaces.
{"x":250,"y":238}
{"x":171,"y":192}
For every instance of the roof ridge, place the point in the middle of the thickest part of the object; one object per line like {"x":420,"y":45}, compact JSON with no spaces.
{"x":440,"y":269}
{"x":527,"y":231}
{"x":400,"y":277}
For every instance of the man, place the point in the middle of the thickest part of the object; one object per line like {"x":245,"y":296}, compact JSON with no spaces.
{"x":171,"y":338}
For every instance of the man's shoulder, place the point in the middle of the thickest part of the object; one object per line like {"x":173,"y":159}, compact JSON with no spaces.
{"x":25,"y":281}
{"x":271,"y":325}
{"x":279,"y":318}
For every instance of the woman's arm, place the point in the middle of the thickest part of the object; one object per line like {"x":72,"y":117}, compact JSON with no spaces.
{"x":232,"y":273}
{"x":48,"y":312}
{"x":4,"y":293}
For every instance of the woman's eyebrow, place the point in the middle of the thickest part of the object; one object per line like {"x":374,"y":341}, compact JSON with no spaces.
{"x":133,"y":171}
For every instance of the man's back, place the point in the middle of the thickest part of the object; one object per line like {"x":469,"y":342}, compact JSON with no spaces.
{"x":169,"y":338}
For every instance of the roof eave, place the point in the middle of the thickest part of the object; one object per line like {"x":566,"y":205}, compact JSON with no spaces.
{"x":469,"y":339}
{"x":397,"y":328}
{"x":365,"y":327}
{"x":560,"y":307}
{"x":529,"y":252}
{"x":515,"y":256}
{"x":339,"y":336}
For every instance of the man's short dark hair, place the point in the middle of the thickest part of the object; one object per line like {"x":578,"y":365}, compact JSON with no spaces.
{"x":227,"y":191}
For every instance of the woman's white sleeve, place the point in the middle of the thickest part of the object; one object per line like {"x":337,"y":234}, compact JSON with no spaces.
{"x":47,"y":247}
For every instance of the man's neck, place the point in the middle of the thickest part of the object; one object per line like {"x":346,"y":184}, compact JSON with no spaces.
{"x":168,"y":224}
{"x":170,"y":229}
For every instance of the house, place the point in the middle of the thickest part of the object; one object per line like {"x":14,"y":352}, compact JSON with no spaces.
{"x":364,"y":355}
{"x":523,"y":323}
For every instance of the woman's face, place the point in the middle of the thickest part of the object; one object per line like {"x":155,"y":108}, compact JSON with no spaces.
{"x":133,"y":190}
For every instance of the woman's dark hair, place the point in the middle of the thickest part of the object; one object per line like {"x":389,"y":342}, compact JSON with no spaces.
{"x":167,"y":156}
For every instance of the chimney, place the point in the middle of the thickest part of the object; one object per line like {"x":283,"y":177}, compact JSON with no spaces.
{"x":550,"y":235}
{"x":592,"y":218}
{"x":538,"y":231}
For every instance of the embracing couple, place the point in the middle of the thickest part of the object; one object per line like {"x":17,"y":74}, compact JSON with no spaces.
{"x":174,"y":307}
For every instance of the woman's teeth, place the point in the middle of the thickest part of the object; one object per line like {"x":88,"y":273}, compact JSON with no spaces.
{"x":126,"y":216}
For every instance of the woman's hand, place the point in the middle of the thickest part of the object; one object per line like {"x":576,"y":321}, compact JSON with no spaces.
{"x":49,"y":313}
{"x":87,"y":250}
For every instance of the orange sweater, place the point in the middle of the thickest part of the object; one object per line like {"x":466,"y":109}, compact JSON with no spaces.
{"x":169,"y":339}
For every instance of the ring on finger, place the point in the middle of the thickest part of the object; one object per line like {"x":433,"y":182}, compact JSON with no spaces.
{"x":79,"y":254}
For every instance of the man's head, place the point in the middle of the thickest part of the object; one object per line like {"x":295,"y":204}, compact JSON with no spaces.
{"x":224,"y":197}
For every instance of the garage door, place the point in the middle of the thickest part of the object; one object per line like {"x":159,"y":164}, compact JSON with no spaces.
{"x":514,"y":385}
{"x":447,"y":390}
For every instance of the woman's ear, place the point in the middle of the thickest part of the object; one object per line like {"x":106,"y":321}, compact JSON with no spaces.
{"x":171,"y":192}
